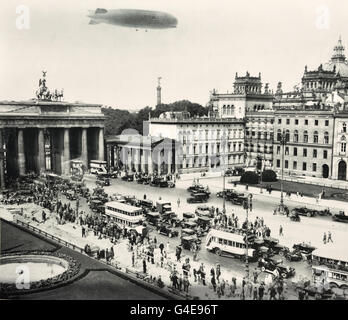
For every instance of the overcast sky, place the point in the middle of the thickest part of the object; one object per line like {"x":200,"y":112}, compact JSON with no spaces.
{"x":118,"y":66}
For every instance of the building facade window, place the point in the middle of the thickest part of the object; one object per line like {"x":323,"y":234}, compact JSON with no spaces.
{"x":314,"y":153}
{"x":294,"y":165}
{"x":316,"y":122}
{"x":326,"y":137}
{"x":314,"y":167}
{"x":304,"y":166}
{"x":343,"y":144}
{"x":278,"y":163}
{"x":315,"y":137}
{"x":326,"y":123}
{"x":304,"y":152}
{"x":296,"y":121}
{"x":295,"y":136}
{"x":295,"y":151}
{"x":286,"y":164}
{"x":344,"y":127}
{"x":325,"y":154}
{"x":305,"y":137}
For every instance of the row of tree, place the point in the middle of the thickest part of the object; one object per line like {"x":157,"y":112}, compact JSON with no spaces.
{"x":118,"y":120}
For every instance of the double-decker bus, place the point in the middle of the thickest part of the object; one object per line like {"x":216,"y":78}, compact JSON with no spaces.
{"x":124,"y":215}
{"x":330,"y":265}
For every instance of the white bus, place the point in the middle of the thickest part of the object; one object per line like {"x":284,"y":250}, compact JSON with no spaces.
{"x":98,"y":166}
{"x":229,"y":243}
{"x":330,"y":265}
{"x":124,"y":215}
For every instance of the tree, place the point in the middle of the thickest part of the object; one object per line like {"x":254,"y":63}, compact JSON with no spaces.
{"x":118,"y":120}
{"x":269,"y":176}
{"x":249,"y":177}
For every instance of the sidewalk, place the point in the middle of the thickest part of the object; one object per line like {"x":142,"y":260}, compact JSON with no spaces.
{"x":327,"y":203}
{"x":329,"y":183}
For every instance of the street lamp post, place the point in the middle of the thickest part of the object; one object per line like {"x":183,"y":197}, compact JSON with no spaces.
{"x":283,"y":141}
{"x":223,"y":193}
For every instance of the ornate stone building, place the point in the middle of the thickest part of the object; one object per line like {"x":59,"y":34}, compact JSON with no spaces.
{"x":249,"y":102}
{"x":136,"y":153}
{"x":203,"y":144}
{"x":313,"y":118}
{"x":46,"y":133}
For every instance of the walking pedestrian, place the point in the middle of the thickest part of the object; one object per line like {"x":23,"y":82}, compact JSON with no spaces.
{"x":178,"y":202}
{"x":133,"y":259}
{"x":281,"y":231}
{"x":324,"y":238}
{"x":144,"y":265}
{"x":161,"y":246}
{"x":329,"y":238}
{"x":213,"y":283}
{"x":261,"y":291}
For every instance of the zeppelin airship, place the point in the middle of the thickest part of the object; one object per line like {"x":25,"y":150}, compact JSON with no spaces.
{"x":133,"y":18}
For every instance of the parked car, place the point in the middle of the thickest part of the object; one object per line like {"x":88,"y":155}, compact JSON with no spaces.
{"x":294,"y":255}
{"x":167,"y":230}
{"x":190,"y":242}
{"x":152,"y":218}
{"x":205,"y":211}
{"x":128,"y":177}
{"x":303,"y":211}
{"x":188,"y":215}
{"x":340,"y":217}
{"x":239,"y":200}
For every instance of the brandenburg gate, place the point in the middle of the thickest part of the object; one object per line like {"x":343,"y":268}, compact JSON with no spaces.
{"x":46,"y":133}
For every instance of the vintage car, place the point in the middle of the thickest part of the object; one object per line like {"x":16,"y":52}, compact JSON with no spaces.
{"x":275,"y":267}
{"x":340,"y":217}
{"x":171,"y":218}
{"x":294,"y":255}
{"x":146,"y":203}
{"x":128,"y":177}
{"x":188,"y":216}
{"x":204,"y":211}
{"x":304,"y":248}
{"x":188,"y":224}
{"x":198,"y":198}
{"x":70,"y":195}
{"x":188,"y":232}
{"x":203,"y":222}
{"x":195,"y":187}
{"x":144,"y":180}
{"x":294,"y":216}
{"x":238,"y":200}
{"x":97,"y":206}
{"x":167,"y":230}
{"x":190,"y":243}
{"x":273,"y":244}
{"x":152,"y":218}
{"x":303,"y":211}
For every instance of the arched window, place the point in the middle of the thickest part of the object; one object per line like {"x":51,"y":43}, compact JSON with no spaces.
{"x":326,"y":137}
{"x":343,"y":144}
{"x":315,"y":137}
{"x":224,"y":109}
{"x":295,"y":136}
{"x":279,"y":133}
{"x":305,"y":136}
{"x":287,"y":135}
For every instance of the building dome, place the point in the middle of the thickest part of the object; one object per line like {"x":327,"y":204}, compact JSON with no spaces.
{"x":338,"y":62}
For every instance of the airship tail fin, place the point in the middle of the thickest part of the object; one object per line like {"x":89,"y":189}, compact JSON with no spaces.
{"x":93,"y":22}
{"x":101,"y":10}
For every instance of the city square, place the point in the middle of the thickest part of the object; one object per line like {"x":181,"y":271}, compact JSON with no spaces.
{"x":243,"y":196}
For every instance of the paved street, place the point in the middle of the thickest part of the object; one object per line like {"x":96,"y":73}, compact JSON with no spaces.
{"x":308,"y":230}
